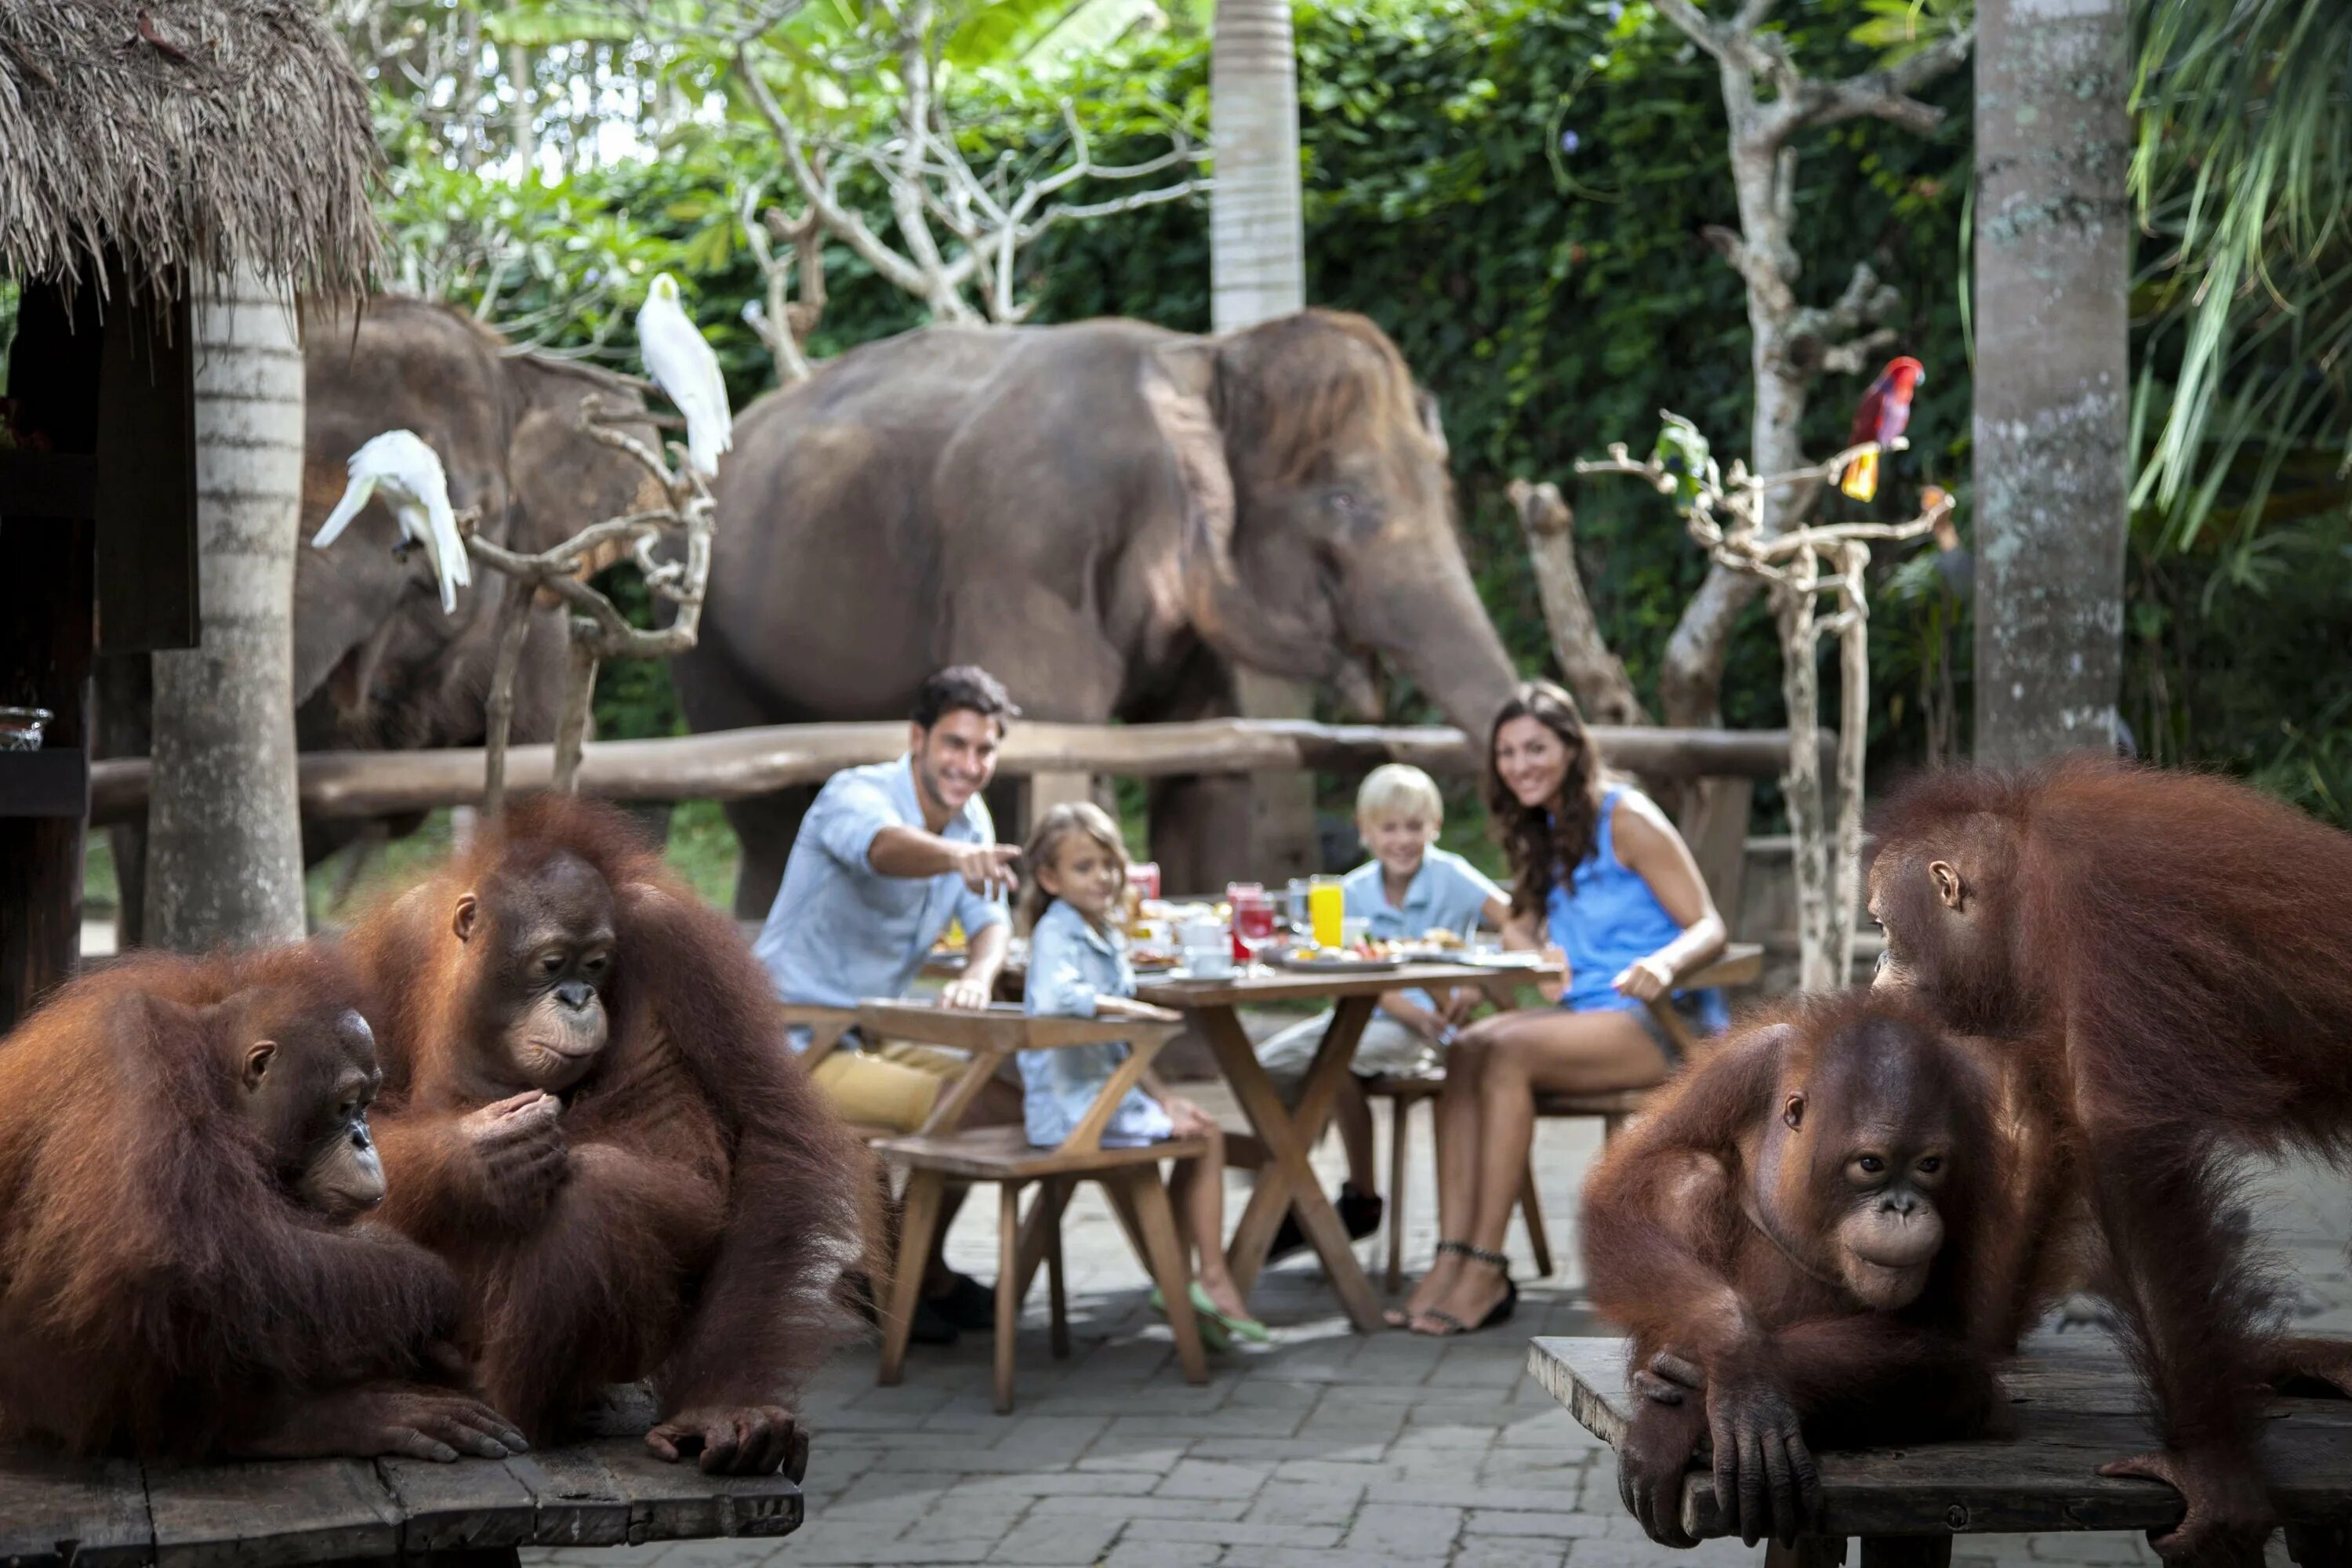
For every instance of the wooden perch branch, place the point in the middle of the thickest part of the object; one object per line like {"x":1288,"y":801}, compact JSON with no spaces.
{"x":1594,"y":673}
{"x":1724,"y":515}
{"x":599,"y":631}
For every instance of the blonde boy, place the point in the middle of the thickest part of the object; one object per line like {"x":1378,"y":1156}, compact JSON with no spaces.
{"x":1409,"y":888}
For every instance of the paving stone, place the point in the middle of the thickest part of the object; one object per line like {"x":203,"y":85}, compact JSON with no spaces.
{"x":1297,"y":1557}
{"x":1505,"y":1552}
{"x":1305,"y":1502}
{"x":1241,"y":1533}
{"x":1404,"y":1529}
{"x":1207,"y":1478}
{"x":1145,"y":1508}
{"x":1513,"y":1521}
{"x":1064,"y":1539}
{"x":1153,"y":1554}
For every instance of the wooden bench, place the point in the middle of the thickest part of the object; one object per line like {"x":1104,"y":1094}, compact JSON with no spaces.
{"x":943,"y":1151}
{"x":605,"y":1490}
{"x":1738,"y":964}
{"x":2072,"y":1405}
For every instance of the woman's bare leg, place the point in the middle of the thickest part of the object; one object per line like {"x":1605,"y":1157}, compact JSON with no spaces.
{"x":1574,"y":1053}
{"x":1454,"y":1130}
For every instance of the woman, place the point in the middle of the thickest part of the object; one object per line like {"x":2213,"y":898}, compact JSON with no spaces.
{"x":1632,"y":921}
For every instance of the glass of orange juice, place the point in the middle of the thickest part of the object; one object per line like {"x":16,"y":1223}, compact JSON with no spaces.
{"x":1326,"y":906}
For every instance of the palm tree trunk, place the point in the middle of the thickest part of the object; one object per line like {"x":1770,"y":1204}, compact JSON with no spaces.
{"x":225,"y":844}
{"x":1257,"y":271}
{"x":2052,"y":374}
{"x":1257,"y":241}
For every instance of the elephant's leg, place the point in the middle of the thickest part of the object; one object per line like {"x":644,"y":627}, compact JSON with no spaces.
{"x":126,"y":699}
{"x":765,"y":825}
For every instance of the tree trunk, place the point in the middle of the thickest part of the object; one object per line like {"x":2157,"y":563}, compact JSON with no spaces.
{"x":2053,"y":375}
{"x":1257,"y":241}
{"x":522,"y":114}
{"x":1257,"y":271}
{"x":224,"y":851}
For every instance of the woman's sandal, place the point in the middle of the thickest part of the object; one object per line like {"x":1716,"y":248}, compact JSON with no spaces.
{"x":1448,"y":1324}
{"x":1403,"y":1317}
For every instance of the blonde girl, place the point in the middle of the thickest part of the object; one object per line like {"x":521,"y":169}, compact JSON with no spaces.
{"x":1078,"y":968}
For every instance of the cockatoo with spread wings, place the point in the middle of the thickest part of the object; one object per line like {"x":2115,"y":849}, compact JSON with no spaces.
{"x":407,"y":473}
{"x":683,"y":366}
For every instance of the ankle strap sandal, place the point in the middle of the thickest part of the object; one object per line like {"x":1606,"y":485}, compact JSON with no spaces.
{"x":1477,"y":1255}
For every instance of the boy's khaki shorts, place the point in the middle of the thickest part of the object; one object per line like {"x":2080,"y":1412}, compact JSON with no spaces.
{"x":893,"y":1085}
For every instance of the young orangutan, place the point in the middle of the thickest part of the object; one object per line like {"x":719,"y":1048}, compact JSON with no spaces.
{"x":182,"y":1143}
{"x":1821,"y":1233}
{"x":592,"y":1114}
{"x":2177,"y":950}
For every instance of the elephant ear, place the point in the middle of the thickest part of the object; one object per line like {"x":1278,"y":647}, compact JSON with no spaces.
{"x":1180,"y":388}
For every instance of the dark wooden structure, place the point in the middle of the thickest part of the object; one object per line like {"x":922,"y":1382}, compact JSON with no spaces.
{"x":118,"y":204}
{"x":2076,"y":1408}
{"x":98,"y":523}
{"x":472,"y":1513}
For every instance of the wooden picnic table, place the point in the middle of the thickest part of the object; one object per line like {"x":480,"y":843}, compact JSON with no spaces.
{"x":606,"y":1491}
{"x":1287,"y":1182}
{"x":2076,"y":1408}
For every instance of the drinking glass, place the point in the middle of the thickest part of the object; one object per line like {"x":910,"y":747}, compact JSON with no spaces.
{"x":1327,"y":903}
{"x":1253,"y":920}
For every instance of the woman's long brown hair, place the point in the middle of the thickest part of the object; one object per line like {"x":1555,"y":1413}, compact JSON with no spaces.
{"x":1537,"y":840}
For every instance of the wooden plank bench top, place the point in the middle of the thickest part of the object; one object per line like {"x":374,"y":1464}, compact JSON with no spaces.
{"x":2074,"y":1409}
{"x":606,"y":1491}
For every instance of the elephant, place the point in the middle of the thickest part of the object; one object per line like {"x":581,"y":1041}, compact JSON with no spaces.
{"x":1108,"y":515}
{"x":377,"y":666}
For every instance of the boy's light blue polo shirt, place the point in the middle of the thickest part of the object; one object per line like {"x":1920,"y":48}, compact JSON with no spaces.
{"x":840,"y":931}
{"x":1447,"y":893}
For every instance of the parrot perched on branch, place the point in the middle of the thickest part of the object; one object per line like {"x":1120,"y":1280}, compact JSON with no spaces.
{"x":1886,"y":410}
{"x":683,"y":366}
{"x":416,"y":492}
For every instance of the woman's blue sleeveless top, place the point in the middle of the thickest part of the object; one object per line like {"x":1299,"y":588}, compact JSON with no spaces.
{"x":1604,"y":919}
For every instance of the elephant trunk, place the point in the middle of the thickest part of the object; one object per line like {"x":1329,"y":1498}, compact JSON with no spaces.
{"x":1422,"y":614}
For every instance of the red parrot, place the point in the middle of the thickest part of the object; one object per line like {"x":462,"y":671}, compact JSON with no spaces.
{"x":1886,"y":410}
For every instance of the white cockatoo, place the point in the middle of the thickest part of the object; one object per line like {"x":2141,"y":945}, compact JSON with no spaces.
{"x":409,"y":475}
{"x":683,"y":366}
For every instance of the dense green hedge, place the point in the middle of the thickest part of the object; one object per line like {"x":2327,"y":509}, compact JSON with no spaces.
{"x":1515,"y":191}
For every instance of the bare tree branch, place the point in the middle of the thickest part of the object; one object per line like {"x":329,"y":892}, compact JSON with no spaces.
{"x":986,"y":217}
{"x":1594,"y":673}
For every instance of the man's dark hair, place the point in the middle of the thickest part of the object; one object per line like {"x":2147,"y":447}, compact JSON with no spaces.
{"x":964,"y":686}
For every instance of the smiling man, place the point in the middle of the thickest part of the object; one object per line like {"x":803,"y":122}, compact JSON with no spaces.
{"x":886,"y":856}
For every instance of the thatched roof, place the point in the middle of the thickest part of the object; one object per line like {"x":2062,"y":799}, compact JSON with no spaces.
{"x":182,"y":134}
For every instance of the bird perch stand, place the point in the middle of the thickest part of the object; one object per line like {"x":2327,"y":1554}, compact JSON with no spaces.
{"x":598,"y":631}
{"x":1799,"y":567}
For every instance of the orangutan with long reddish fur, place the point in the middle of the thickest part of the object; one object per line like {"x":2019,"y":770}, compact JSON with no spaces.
{"x":1826,"y":1230}
{"x":2177,"y":949}
{"x":592,"y":1113}
{"x":184,"y":1149}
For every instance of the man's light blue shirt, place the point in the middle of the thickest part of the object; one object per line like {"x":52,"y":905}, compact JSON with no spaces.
{"x":1446,"y":894}
{"x":840,"y":931}
{"x":1070,"y":964}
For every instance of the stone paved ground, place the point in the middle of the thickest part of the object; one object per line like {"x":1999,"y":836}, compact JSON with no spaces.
{"x":1387,"y":1451}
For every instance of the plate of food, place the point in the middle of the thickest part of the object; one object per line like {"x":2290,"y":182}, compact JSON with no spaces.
{"x":1334,"y":960}
{"x":1496,"y":958}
